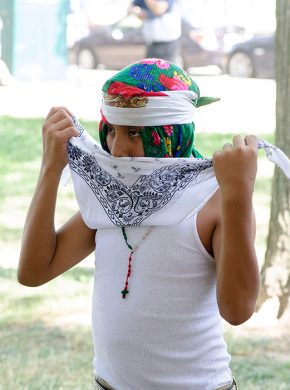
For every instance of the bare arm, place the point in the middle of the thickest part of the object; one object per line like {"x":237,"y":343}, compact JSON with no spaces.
{"x":233,"y":239}
{"x":157,"y":7}
{"x":46,"y":253}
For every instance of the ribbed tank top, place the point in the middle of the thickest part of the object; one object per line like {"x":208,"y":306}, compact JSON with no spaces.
{"x":167,"y":334}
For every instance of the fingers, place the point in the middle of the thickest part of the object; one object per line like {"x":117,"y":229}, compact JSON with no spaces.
{"x":227,"y":146}
{"x":60,"y":109}
{"x":251,"y":141}
{"x":57,"y":129}
{"x":235,"y":166}
{"x":240,"y":142}
{"x":61,"y":125}
{"x":242,"y":147}
{"x":56,"y":114}
{"x":58,"y":120}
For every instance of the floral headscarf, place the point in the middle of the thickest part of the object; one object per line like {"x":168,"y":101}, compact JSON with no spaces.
{"x":134,"y":85}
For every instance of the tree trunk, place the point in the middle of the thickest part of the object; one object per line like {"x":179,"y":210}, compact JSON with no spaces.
{"x":275,"y":273}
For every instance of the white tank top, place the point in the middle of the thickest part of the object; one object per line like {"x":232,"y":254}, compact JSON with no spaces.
{"x":167,"y":333}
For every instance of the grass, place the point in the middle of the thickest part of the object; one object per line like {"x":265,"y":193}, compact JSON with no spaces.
{"x":45,"y":336}
{"x":38,"y":349}
{"x":259,"y":361}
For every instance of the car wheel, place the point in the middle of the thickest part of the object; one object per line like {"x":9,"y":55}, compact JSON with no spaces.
{"x":240,"y":65}
{"x":86,"y":59}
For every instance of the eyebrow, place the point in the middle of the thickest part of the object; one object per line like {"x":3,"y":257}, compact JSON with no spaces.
{"x":135,"y":127}
{"x":128,"y":126}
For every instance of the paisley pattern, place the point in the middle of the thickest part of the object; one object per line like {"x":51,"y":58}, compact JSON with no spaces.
{"x":130,"y":205}
{"x":120,"y":101}
{"x":142,"y":191}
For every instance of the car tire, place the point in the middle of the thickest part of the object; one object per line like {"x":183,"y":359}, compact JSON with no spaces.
{"x":86,"y":59}
{"x":240,"y":65}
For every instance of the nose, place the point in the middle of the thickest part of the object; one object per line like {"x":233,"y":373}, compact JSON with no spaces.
{"x":119,"y":147}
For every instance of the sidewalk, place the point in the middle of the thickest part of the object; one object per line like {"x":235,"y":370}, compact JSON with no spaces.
{"x":246,"y":106}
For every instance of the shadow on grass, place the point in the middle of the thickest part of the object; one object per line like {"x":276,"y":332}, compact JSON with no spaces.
{"x":42,"y":346}
{"x":260,"y":362}
{"x":35,"y":356}
{"x":26,"y":303}
{"x":57,"y":358}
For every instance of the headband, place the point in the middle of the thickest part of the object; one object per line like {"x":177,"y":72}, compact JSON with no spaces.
{"x":174,"y":107}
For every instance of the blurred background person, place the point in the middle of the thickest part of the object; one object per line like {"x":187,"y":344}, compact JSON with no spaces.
{"x":5,"y":75}
{"x":161,"y":27}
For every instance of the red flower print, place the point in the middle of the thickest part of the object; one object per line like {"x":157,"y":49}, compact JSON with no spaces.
{"x":156,"y":138}
{"x":162,"y":64}
{"x":159,"y":63}
{"x":119,"y":88}
{"x":173,"y":84}
{"x":180,"y":84}
{"x":168,"y":129}
{"x":127,"y":91}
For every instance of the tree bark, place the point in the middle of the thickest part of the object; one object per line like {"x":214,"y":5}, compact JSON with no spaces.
{"x":275,"y":273}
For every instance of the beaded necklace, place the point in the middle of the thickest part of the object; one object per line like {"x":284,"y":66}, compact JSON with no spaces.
{"x":125,"y":291}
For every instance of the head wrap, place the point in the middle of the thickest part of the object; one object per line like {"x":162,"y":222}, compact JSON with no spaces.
{"x":161,"y":98}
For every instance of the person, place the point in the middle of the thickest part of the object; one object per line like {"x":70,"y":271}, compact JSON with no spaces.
{"x":161,"y":27}
{"x":170,"y":265}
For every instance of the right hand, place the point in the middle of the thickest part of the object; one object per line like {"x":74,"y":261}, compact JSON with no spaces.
{"x":57,"y":129}
{"x":139,"y":12}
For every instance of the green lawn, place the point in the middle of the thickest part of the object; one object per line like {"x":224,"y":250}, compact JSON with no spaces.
{"x":45,"y":337}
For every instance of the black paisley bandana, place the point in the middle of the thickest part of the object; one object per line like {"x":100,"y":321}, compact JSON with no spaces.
{"x":142,"y":191}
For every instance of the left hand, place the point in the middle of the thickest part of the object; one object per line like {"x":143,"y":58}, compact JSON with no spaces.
{"x":236,"y":166}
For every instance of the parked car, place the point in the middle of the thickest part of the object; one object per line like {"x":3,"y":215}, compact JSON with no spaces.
{"x":254,"y":57}
{"x":115,"y":46}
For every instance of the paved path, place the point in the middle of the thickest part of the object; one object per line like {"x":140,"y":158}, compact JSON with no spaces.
{"x":246,"y":106}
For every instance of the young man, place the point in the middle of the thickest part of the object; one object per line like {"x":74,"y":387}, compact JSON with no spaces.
{"x":173,"y":241}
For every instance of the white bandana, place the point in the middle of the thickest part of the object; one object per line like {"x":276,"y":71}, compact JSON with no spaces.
{"x":142,"y":191}
{"x":172,"y":108}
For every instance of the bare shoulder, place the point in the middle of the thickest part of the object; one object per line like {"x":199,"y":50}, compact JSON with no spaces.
{"x":207,"y":220}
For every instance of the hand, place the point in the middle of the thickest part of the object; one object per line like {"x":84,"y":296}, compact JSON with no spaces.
{"x":141,"y":14}
{"x":236,"y":166}
{"x":57,"y":129}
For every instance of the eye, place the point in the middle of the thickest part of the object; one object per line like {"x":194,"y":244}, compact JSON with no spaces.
{"x":110,"y":129}
{"x":134,"y":132}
